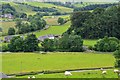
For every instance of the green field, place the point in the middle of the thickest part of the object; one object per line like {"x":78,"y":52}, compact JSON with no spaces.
{"x":57,"y":30}
{"x":89,"y":42}
{"x":27,"y":62}
{"x":86,"y":74}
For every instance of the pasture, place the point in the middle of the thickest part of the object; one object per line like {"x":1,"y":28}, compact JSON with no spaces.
{"x":56,"y":30}
{"x":85,"y":74}
{"x":28,"y":62}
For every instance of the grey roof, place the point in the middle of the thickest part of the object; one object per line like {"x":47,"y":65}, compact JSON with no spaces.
{"x":2,"y":75}
{"x":41,"y":38}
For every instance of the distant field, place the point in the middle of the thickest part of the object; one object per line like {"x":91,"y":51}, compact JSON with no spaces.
{"x":86,"y":74}
{"x":19,"y":62}
{"x":59,"y":8}
{"x":52,"y":20}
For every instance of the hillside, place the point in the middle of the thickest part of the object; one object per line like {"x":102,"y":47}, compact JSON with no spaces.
{"x":59,"y":8}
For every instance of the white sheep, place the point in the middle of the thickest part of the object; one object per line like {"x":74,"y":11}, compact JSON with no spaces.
{"x":104,"y":72}
{"x":116,"y":71}
{"x":33,"y":77}
{"x":28,"y":77}
{"x":102,"y":69}
{"x":67,"y":73}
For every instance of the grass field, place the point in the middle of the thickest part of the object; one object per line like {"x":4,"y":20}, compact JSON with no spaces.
{"x":89,"y":42}
{"x":86,"y":74}
{"x":57,"y":30}
{"x":27,"y":62}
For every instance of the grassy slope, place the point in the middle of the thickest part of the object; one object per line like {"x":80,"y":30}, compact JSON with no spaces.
{"x":60,"y":8}
{"x":15,"y":63}
{"x":57,"y":30}
{"x":22,"y":8}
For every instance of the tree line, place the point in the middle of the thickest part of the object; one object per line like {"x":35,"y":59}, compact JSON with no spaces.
{"x":93,"y":6}
{"x":96,"y":24}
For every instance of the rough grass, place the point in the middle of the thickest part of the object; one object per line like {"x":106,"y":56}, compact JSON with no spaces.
{"x":27,"y":62}
{"x":59,"y":8}
{"x":22,"y":8}
{"x":86,"y":74}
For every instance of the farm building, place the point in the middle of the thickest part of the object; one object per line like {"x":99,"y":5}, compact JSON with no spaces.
{"x":2,"y":75}
{"x":50,"y":36}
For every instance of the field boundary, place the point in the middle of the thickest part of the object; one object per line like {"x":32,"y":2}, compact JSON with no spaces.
{"x":56,"y":71}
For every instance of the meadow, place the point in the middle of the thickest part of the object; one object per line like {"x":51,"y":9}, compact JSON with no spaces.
{"x":84,"y":74}
{"x":28,"y":62}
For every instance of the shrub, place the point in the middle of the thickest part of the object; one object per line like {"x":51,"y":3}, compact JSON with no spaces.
{"x":107,"y":44}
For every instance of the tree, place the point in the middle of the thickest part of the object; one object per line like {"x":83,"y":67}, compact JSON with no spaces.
{"x":11,"y":31}
{"x":31,"y":43}
{"x":61,"y":21}
{"x":16,"y":44}
{"x":117,"y":56}
{"x":48,"y":45}
{"x":107,"y":44}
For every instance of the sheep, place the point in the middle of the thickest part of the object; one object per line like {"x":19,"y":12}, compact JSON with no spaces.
{"x":116,"y":71}
{"x":28,"y":77}
{"x":67,"y":73}
{"x":33,"y":77}
{"x":102,"y":69}
{"x":104,"y":72}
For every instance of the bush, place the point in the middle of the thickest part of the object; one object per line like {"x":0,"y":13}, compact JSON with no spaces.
{"x":4,"y":48}
{"x":107,"y":44}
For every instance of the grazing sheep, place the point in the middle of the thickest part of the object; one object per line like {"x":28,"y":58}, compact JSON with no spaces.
{"x":116,"y":71}
{"x":33,"y":77}
{"x":102,"y":69}
{"x":104,"y":72}
{"x":67,"y":73}
{"x":28,"y":77}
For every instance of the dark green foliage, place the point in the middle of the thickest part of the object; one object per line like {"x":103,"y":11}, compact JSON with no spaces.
{"x":93,"y":6}
{"x":31,"y":43}
{"x":16,"y":44}
{"x":34,"y":23}
{"x":4,"y":48}
{"x":97,"y":24}
{"x":61,"y":21}
{"x":107,"y":44}
{"x":48,"y":45}
{"x":117,"y":56}
{"x":0,"y":29}
{"x":11,"y":31}
{"x":7,"y":8}
{"x":71,"y":43}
